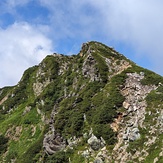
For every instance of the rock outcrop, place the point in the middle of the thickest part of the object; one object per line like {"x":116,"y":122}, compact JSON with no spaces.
{"x":89,"y":69}
{"x":53,"y":142}
{"x":94,"y":107}
{"x":133,"y":116}
{"x":95,"y":143}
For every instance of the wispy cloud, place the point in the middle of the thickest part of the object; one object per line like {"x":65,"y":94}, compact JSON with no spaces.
{"x":139,"y":24}
{"x":8,"y":6}
{"x":21,"y":46}
{"x":135,"y":23}
{"x":65,"y":25}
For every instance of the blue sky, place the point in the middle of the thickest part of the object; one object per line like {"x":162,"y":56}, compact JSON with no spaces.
{"x":32,"y":29}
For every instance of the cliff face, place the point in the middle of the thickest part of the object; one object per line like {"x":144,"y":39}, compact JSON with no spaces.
{"x":96,"y":106}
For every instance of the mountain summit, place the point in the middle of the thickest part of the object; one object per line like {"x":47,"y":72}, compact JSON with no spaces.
{"x":93,"y":107}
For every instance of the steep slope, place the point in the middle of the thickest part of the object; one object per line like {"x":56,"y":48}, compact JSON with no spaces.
{"x":96,"y":106}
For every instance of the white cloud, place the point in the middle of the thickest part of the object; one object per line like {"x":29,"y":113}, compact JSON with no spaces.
{"x":9,"y":6}
{"x":135,"y":23}
{"x":14,"y":3}
{"x":21,"y":46}
{"x":138,"y":23}
{"x":70,"y":19}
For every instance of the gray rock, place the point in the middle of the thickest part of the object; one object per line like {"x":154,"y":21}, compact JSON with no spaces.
{"x":134,"y":134}
{"x":27,"y":110}
{"x":85,"y":154}
{"x":103,"y":142}
{"x":98,"y":160}
{"x":160,"y":118}
{"x":94,"y":143}
{"x":126,"y":105}
{"x":125,"y":136}
{"x":53,"y":143}
{"x":89,"y":69}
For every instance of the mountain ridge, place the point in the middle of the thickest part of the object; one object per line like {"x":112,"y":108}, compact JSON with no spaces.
{"x":96,"y":106}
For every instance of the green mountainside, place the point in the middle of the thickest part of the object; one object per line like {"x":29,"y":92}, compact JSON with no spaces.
{"x":93,"y":107}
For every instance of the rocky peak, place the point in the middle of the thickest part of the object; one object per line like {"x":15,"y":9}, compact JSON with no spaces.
{"x":96,"y":106}
{"x":86,"y":49}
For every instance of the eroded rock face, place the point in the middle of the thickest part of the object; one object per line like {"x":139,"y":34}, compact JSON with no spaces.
{"x":39,"y":85}
{"x":53,"y":143}
{"x":135,"y":105}
{"x":3,"y":100}
{"x":14,"y":133}
{"x":160,"y":120}
{"x":118,"y":68}
{"x":89,"y":69}
{"x":94,"y":143}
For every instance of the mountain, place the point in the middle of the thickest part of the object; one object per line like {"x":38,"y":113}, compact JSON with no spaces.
{"x":93,"y":107}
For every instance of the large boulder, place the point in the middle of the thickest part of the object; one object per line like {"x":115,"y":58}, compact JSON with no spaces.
{"x":94,"y":143}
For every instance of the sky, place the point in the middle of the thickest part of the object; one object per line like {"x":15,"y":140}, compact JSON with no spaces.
{"x":32,"y":29}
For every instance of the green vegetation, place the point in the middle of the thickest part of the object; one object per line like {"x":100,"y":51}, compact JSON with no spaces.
{"x":3,"y":144}
{"x":154,"y":150}
{"x":4,"y":91}
{"x":106,"y":51}
{"x":139,"y":143}
{"x":50,"y":67}
{"x":154,"y":104}
{"x":50,"y":94}
{"x":99,"y":110}
{"x":32,"y":153}
{"x":81,"y":105}
{"x":102,"y":67}
{"x":150,"y":78}
{"x":20,"y":93}
{"x":59,"y":157}
{"x":104,"y":131}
